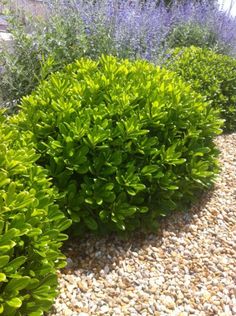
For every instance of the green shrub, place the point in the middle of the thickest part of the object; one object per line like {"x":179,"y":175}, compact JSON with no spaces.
{"x":212,"y":75}
{"x":124,"y":141}
{"x":30,"y":230}
{"x":192,"y":33}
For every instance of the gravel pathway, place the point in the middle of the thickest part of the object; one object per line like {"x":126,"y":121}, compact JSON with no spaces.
{"x":187,"y":268}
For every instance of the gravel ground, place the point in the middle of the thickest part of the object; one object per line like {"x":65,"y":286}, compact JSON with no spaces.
{"x":187,"y":268}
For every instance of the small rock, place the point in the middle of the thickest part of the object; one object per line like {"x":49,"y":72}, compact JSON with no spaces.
{"x":104,"y":309}
{"x":168,"y":301}
{"x":106,"y":269}
{"x":83,"y":286}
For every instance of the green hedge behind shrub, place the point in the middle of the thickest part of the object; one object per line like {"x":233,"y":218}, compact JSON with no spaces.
{"x":212,"y":75}
{"x":125,"y":141}
{"x":30,"y":230}
{"x":192,"y":33}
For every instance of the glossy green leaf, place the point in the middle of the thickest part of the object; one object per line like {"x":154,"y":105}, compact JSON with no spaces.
{"x":4,"y":180}
{"x":14,"y":302}
{"x":4,"y":260}
{"x":17,"y":284}
{"x":15,"y":263}
{"x":90,"y":223}
{"x":2,"y":277}
{"x":149,"y":169}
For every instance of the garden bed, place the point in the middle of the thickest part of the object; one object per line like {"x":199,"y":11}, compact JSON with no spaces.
{"x":187,"y":268}
{"x":111,"y":145}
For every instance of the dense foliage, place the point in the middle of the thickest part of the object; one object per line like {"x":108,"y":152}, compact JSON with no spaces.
{"x":213,"y":75}
{"x":191,"y":33}
{"x":128,"y":29}
{"x":30,"y":230}
{"x":124,"y":141}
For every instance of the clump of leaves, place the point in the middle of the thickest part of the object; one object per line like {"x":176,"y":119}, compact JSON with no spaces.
{"x":31,"y":228}
{"x":192,"y":33}
{"x":213,"y":75}
{"x":125,"y":142}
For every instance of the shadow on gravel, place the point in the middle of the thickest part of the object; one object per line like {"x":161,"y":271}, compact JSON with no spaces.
{"x":92,"y":254}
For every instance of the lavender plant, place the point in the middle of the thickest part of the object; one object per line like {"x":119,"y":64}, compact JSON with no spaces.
{"x":145,"y":30}
{"x":127,"y":29}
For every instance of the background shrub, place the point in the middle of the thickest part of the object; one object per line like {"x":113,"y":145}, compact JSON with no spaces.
{"x":212,"y":75}
{"x":30,"y":230}
{"x":188,"y":34}
{"x":126,"y":29}
{"x":124,"y":141}
{"x":39,"y":47}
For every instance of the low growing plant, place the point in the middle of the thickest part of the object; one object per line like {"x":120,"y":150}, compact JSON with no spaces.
{"x":125,"y":142}
{"x":31,"y":228}
{"x":212,"y":75}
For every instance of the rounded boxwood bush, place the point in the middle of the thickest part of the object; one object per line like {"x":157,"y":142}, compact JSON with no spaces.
{"x":213,"y":75}
{"x":125,"y":142}
{"x":30,"y":230}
